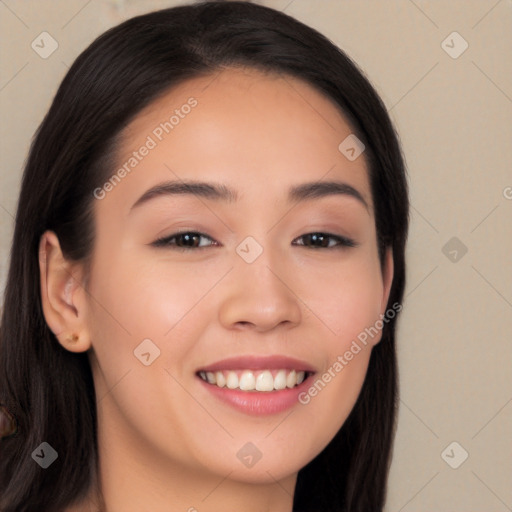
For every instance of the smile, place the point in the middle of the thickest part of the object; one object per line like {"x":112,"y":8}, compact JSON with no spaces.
{"x":256,"y":381}
{"x":255,"y":384}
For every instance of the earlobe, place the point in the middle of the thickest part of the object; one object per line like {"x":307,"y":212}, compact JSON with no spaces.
{"x":62,"y":296}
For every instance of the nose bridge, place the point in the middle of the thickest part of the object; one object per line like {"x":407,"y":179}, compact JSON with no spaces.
{"x":259,"y":292}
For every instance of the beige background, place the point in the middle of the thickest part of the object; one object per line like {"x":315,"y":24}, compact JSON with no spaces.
{"x":454,"y":118}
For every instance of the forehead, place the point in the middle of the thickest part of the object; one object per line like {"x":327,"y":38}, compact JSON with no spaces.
{"x":253,"y":131}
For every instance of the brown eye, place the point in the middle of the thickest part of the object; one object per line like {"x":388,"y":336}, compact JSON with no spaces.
{"x":322,"y":240}
{"x":185,"y":240}
{"x":188,"y":240}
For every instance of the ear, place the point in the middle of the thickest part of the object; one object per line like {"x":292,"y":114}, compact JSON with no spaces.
{"x":63,"y":297}
{"x":387,"y":278}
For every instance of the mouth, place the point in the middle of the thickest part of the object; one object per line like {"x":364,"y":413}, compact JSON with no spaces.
{"x":265,"y":381}
{"x":257,"y":385}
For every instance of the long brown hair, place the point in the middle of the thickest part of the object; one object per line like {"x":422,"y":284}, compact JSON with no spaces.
{"x":48,"y":389}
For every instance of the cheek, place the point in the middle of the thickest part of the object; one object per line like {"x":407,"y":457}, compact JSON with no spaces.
{"x":136,"y":300}
{"x":347,"y":300}
{"x":143,"y":298}
{"x":331,"y":397}
{"x":348,"y":317}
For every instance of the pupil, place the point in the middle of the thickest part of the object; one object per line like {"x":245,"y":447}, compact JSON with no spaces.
{"x":189,"y":238}
{"x":319,"y":237}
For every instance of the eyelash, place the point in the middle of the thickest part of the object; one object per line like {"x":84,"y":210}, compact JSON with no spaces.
{"x":344,"y":242}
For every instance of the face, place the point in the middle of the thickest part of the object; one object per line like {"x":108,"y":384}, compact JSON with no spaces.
{"x":252,"y":281}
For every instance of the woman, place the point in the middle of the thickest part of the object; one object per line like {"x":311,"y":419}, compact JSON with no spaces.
{"x":207,"y":266}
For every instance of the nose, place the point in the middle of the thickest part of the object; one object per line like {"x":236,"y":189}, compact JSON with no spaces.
{"x":259,"y":296}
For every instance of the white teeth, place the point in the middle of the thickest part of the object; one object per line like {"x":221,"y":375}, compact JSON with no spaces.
{"x":248,"y":380}
{"x":232,"y":380}
{"x":291,"y":380}
{"x":280,"y":380}
{"x":265,"y":381}
{"x":221,"y":380}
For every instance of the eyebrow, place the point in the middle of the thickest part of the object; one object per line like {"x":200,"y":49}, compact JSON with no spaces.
{"x":219,"y":192}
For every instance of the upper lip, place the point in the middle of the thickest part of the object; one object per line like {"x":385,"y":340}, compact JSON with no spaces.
{"x":275,"y":362}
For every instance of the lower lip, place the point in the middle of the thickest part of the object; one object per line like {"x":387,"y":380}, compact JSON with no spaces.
{"x":258,"y":403}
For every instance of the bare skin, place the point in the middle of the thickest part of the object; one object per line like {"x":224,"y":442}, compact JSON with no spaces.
{"x":165,"y":443}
